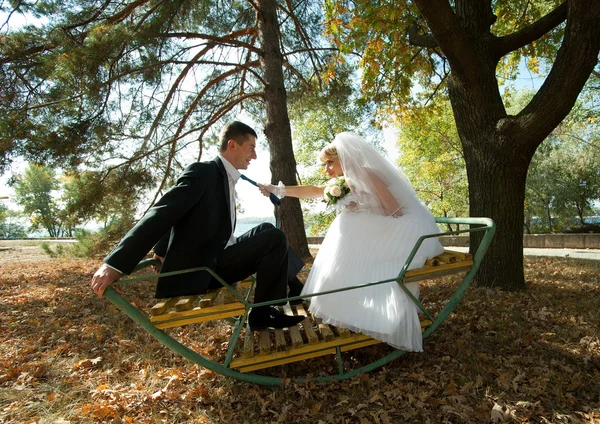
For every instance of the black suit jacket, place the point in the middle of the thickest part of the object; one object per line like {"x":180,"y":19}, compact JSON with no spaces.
{"x":190,"y":226}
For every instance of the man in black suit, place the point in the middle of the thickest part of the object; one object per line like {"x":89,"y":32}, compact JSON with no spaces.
{"x":192,"y":226}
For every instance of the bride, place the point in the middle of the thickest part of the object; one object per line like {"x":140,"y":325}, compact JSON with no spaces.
{"x":381,"y":220}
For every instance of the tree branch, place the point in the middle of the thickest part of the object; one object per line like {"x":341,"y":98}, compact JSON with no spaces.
{"x":193,"y":105}
{"x":556,"y":97}
{"x":128,"y":10}
{"x":229,"y":39}
{"x":514,"y":41}
{"x":417,"y":39}
{"x":314,"y":59}
{"x":116,"y":18}
{"x":170,"y":95}
{"x":91,"y":19}
{"x":450,"y":37}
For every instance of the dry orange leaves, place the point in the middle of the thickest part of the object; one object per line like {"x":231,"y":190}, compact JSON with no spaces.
{"x":533,"y":356}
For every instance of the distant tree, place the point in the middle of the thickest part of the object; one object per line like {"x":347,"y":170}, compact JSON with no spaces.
{"x":34,"y":192}
{"x":10,"y":227}
{"x":563,"y":184}
{"x":540,"y":192}
{"x":580,"y":186}
{"x":3,"y":211}
{"x":563,"y":181}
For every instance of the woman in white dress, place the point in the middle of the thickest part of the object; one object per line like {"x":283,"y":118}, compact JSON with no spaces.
{"x":380,"y":221}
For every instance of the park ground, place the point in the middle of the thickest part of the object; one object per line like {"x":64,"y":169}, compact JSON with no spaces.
{"x":69,"y":357}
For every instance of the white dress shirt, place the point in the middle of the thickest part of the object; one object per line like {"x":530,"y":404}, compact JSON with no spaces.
{"x":233,"y":175}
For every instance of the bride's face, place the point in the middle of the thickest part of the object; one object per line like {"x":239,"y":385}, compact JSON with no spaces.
{"x":334,"y":168}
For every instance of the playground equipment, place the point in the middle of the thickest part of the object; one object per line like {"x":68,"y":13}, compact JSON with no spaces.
{"x":250,"y":352}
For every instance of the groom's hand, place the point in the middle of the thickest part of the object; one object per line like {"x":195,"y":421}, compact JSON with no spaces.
{"x":103,"y":278}
{"x":159,"y":259}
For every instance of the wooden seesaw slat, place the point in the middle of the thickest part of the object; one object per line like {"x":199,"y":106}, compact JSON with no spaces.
{"x":295,"y":335}
{"x":337,"y":337}
{"x":180,"y":311}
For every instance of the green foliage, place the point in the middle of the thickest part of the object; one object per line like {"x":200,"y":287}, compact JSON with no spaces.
{"x":564,"y":179}
{"x":61,"y":205}
{"x":10,"y":227}
{"x":102,"y":196}
{"x":3,"y":212}
{"x":377,"y":30}
{"x":97,"y":244}
{"x":431,"y":156}
{"x":34,"y":192}
{"x":317,"y":224}
{"x":513,"y":16}
{"x":397,"y":73}
{"x":91,"y":244}
{"x":58,"y":252}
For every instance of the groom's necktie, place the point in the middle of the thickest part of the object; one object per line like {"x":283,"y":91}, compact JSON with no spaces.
{"x":274,"y":199}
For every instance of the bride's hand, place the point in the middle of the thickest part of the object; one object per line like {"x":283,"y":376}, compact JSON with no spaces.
{"x":277,"y":190}
{"x":352,"y":206}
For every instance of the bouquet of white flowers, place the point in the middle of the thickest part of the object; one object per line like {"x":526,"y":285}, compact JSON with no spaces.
{"x":335,"y":190}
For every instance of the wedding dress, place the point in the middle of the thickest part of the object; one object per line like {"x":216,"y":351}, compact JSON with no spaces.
{"x":366,"y":244}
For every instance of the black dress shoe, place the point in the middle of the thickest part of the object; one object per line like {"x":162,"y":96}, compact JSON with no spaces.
{"x":295,"y":289}
{"x":269,"y":317}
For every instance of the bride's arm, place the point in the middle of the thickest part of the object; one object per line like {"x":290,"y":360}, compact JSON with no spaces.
{"x":304,"y":191}
{"x":389,"y":204}
{"x":301,"y":192}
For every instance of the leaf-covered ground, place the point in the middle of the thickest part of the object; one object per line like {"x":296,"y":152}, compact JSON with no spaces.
{"x":533,"y":356}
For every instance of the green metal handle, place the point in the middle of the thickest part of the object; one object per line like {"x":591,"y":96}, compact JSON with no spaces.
{"x":489,"y":228}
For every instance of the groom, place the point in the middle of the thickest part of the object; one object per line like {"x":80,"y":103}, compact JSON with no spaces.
{"x":192,"y":226}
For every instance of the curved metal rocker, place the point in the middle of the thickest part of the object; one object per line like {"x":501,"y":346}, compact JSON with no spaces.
{"x":238,"y":311}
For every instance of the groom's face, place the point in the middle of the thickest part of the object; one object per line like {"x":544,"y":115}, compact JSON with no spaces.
{"x":240,"y":155}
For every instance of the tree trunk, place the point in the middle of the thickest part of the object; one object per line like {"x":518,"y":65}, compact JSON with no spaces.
{"x":277,"y":125}
{"x":497,"y":174}
{"x":497,"y":191}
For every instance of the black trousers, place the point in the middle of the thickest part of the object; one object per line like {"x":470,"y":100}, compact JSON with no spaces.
{"x":262,"y":250}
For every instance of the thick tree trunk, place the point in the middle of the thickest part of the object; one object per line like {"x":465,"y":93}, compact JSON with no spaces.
{"x":277,"y":125}
{"x":497,"y":173}
{"x":497,"y":191}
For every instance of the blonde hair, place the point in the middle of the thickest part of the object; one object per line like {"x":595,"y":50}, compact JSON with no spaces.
{"x":328,"y":152}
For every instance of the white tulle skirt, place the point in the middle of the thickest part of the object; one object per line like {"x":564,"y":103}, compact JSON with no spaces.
{"x":362,"y":248}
